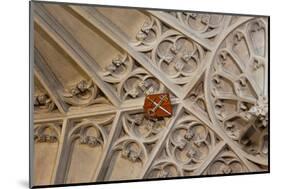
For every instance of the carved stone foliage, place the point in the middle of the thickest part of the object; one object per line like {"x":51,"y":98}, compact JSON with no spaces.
{"x":187,"y":147}
{"x":141,"y":132}
{"x":47,"y":132}
{"x":176,"y":55}
{"x":90,"y":140}
{"x":238,"y":89}
{"x":206,"y":26}
{"x":84,"y":93}
{"x":129,"y":79}
{"x":226,"y":162}
{"x":213,"y":66}
{"x":43,"y":103}
{"x":91,"y":131}
{"x":47,"y":137}
{"x":86,"y":140}
{"x":134,"y":144}
{"x":196,"y":98}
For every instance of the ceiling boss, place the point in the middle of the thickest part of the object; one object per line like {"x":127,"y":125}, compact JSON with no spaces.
{"x":156,"y":105}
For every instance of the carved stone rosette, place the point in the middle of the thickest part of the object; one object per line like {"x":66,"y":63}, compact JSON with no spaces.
{"x":91,"y":83}
{"x":238,"y":90}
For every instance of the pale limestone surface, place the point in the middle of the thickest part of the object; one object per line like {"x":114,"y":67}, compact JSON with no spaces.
{"x":88,"y":120}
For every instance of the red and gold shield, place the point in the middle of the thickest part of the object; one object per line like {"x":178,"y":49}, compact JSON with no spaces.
{"x":158,"y":105}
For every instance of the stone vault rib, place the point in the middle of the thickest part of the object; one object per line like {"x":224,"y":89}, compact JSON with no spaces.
{"x":169,"y":20}
{"x":223,"y":136}
{"x":48,"y":80}
{"x":110,"y":30}
{"x":212,"y":53}
{"x":49,"y":23}
{"x":73,"y":49}
{"x":162,"y":140}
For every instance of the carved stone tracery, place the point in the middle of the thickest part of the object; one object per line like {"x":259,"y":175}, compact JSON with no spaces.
{"x":176,"y":55}
{"x":187,"y":147}
{"x":238,"y":97}
{"x":84,"y":93}
{"x":139,"y":134}
{"x":47,"y":132}
{"x":226,"y":162}
{"x":207,"y":26}
{"x":129,"y":79}
{"x":220,"y":124}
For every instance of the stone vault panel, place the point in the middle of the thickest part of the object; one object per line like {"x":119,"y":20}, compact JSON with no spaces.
{"x":93,"y":66}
